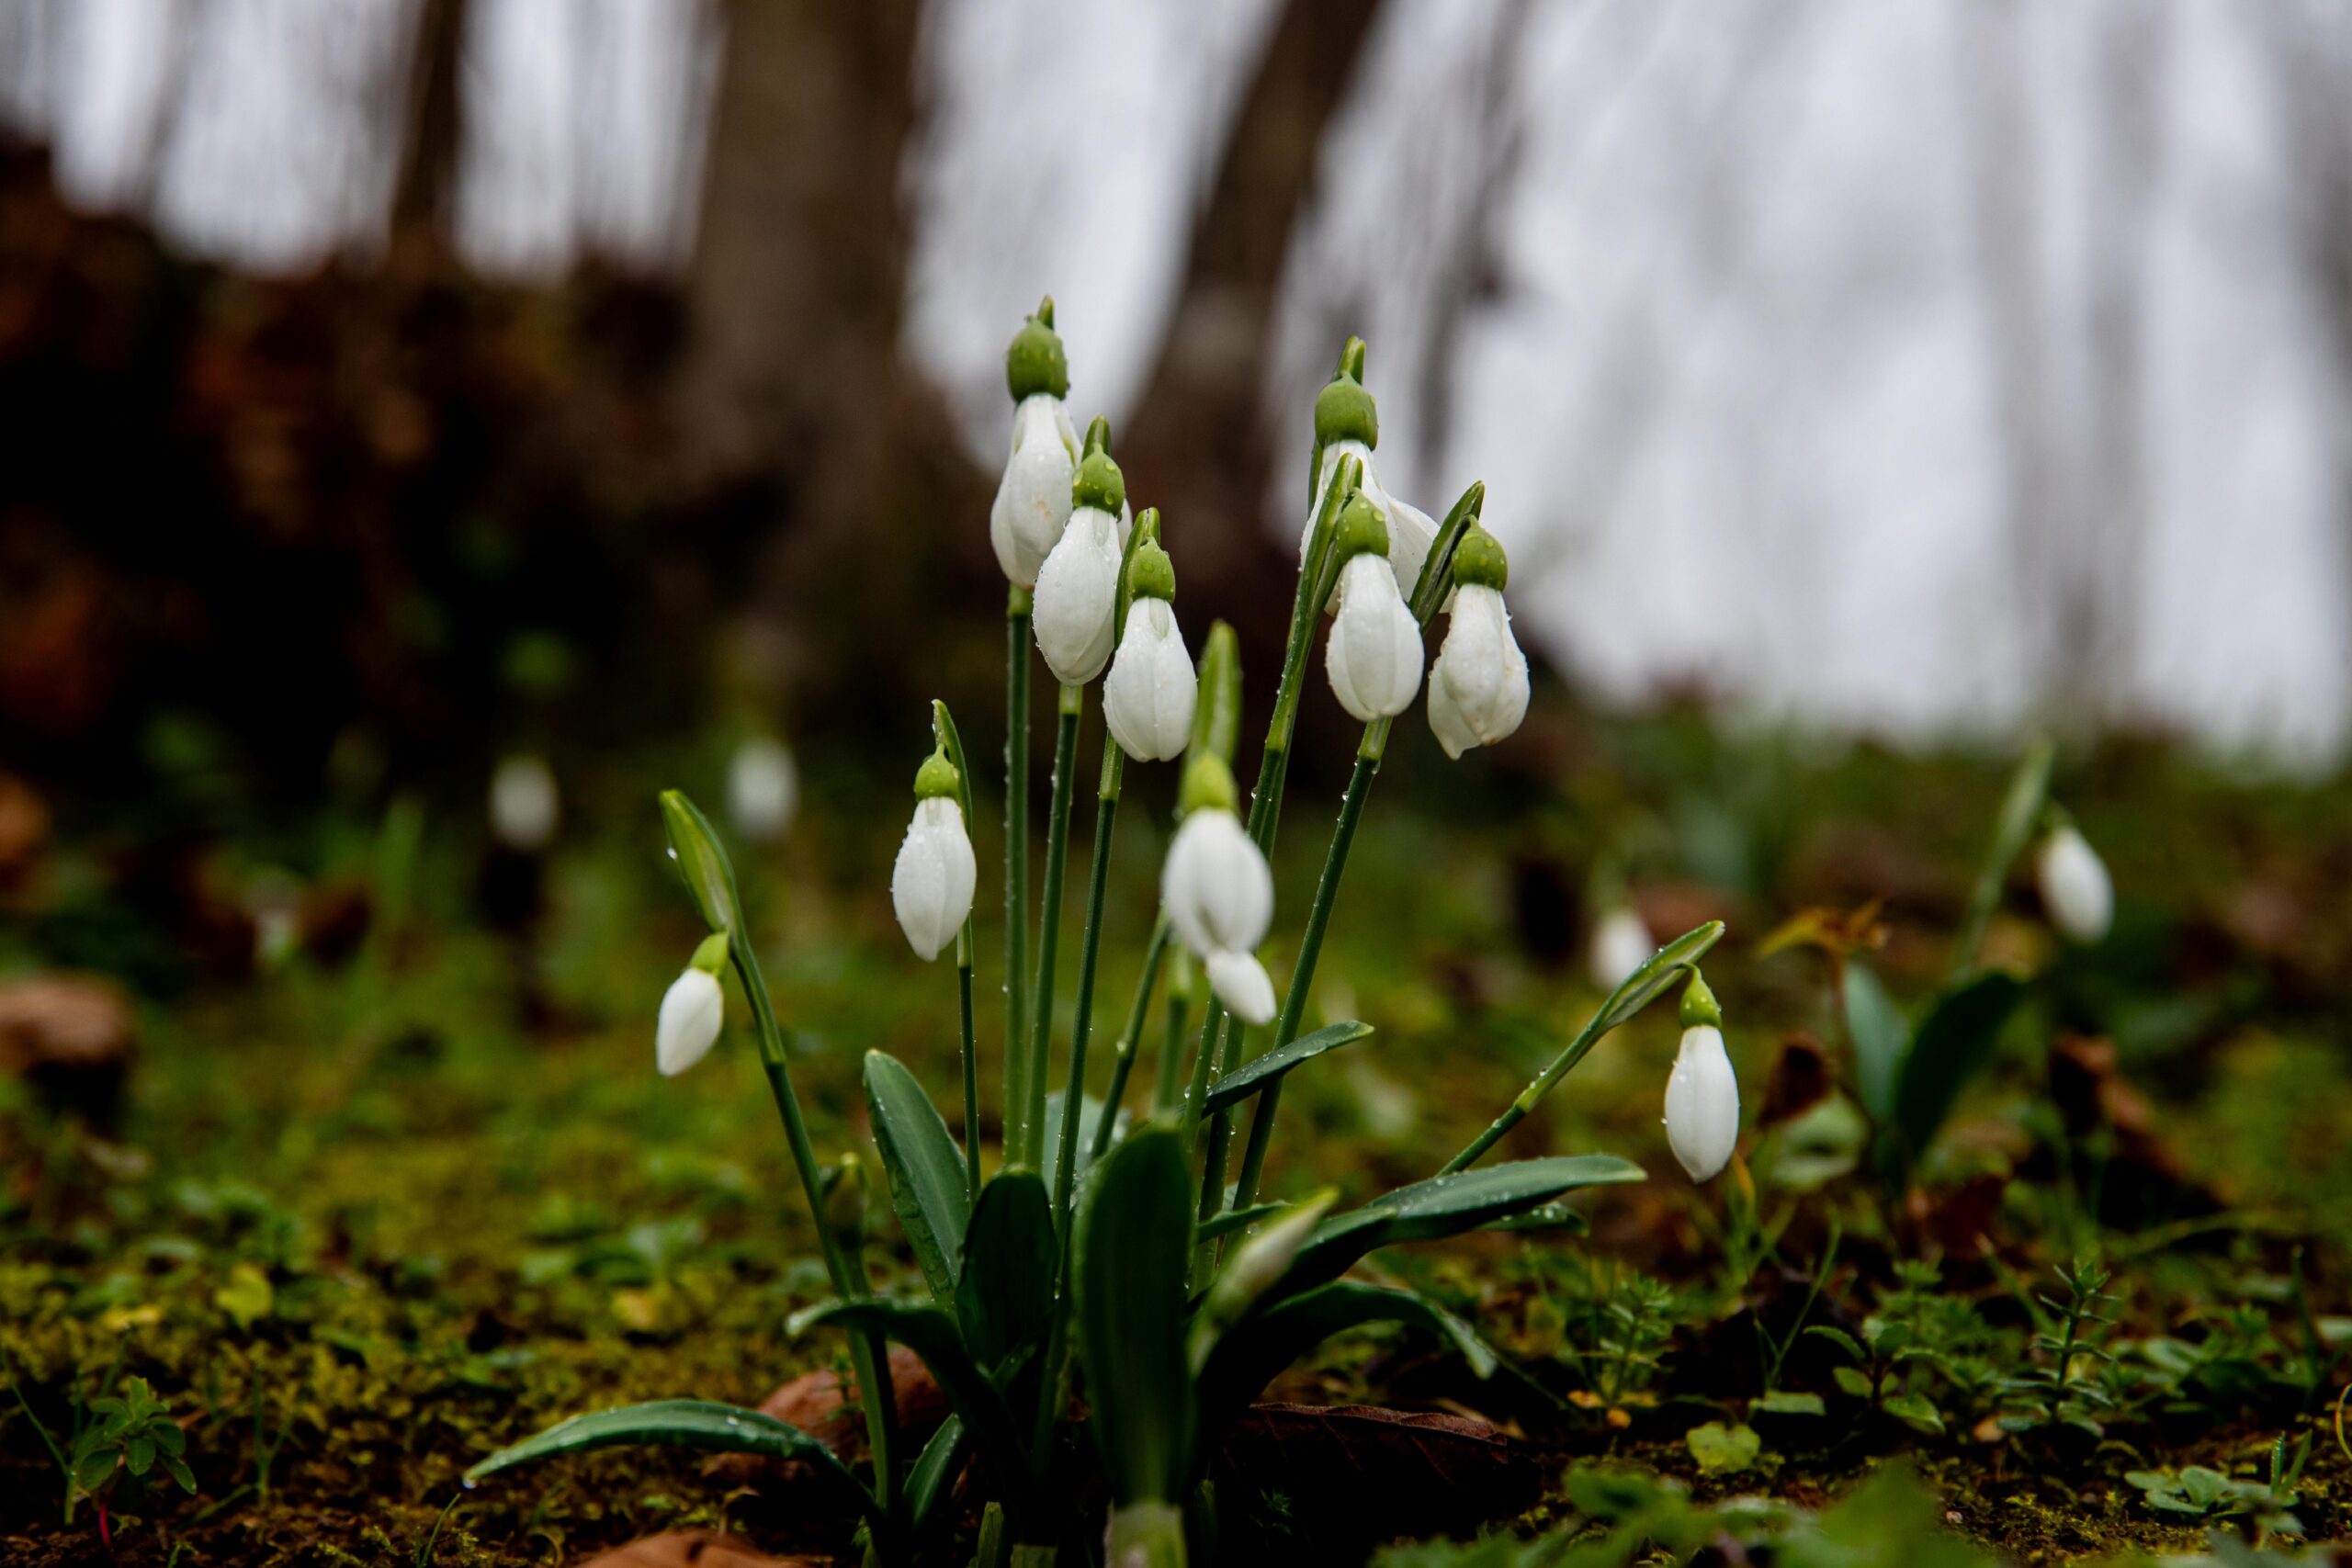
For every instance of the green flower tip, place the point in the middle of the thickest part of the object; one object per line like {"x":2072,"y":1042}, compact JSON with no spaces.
{"x":1151,"y":575}
{"x":1098,"y":483}
{"x":1698,"y":1004}
{"x":845,"y":1198}
{"x":1362,"y":530}
{"x":1345,"y":412}
{"x":710,"y":953}
{"x":1208,"y":784}
{"x":1479,"y":561}
{"x":1351,"y":359}
{"x":1098,"y":437}
{"x":1035,"y":362}
{"x":937,"y":778}
{"x":1148,"y":526}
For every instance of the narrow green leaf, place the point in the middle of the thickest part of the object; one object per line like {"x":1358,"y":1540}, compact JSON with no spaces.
{"x":1216,"y":715}
{"x":925,"y":1169}
{"x":1543,"y":1217}
{"x":1135,"y":1245}
{"x":1090,"y":1120}
{"x":1005,"y":1298}
{"x":1789,"y":1401}
{"x":1917,"y":1412}
{"x":92,"y":1469}
{"x":933,"y":1335}
{"x":1252,"y":1353}
{"x":702,"y":864}
{"x":1226,"y":1220}
{"x":1448,"y":1205}
{"x":1839,"y":1338}
{"x":1666,"y":970}
{"x":1881,"y":1039}
{"x":1269,"y":1068}
{"x":933,"y":1479}
{"x":685,"y":1423}
{"x":1950,"y":1048}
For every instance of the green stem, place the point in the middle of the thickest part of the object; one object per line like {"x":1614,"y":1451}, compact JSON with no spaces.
{"x":1032,"y":1126}
{"x":1310,"y":950}
{"x":1131,"y":1038}
{"x":1016,"y":862}
{"x":869,"y":1356}
{"x":971,"y":1070}
{"x":1204,"y":1069}
{"x":1168,"y":1076}
{"x":2020,"y":809}
{"x":1107,"y":813}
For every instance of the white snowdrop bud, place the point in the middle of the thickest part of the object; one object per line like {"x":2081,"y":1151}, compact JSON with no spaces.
{"x":1148,"y":698}
{"x":1219,"y":892}
{"x":1621,"y":944}
{"x":1702,"y":1103}
{"x":524,"y":805}
{"x":692,"y":1010}
{"x":1077,"y":588}
{"x":1373,"y":655}
{"x":1033,"y":503}
{"x":930,"y":885}
{"x":2076,"y":888}
{"x":762,"y":788}
{"x":1478,"y":686}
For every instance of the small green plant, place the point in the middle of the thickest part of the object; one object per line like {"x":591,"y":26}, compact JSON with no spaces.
{"x":1625,"y":1319}
{"x":130,"y":1438}
{"x":1126,"y":1256}
{"x":2068,"y":1332}
{"x":2265,"y":1505}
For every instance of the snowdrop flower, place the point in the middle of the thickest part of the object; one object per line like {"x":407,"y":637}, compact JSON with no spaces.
{"x":1702,"y":1094}
{"x":1478,"y":686}
{"x":1373,"y":655}
{"x":524,"y":805}
{"x":762,"y":788}
{"x":930,"y":885}
{"x":1621,"y":944}
{"x":692,"y":1010}
{"x":1077,"y":588}
{"x":1148,"y":696}
{"x":1347,"y":424}
{"x":1032,"y":500}
{"x":2076,"y":888}
{"x":1219,"y":893}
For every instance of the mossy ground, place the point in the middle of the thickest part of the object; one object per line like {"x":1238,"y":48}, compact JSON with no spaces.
{"x":419,"y":1201}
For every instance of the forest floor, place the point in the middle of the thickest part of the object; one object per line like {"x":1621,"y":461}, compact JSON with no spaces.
{"x":370,"y":1210}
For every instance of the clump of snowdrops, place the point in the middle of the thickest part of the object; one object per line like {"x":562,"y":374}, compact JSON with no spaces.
{"x":1108,"y":1297}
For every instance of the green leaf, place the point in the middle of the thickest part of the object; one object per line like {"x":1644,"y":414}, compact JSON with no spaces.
{"x":1252,"y":1353}
{"x":176,"y":1468}
{"x":1666,"y":970}
{"x":91,"y":1470}
{"x":1788,"y":1402}
{"x":932,"y":1334}
{"x":1253,"y":1269}
{"x":1839,"y":1338}
{"x":1135,"y":1245}
{"x":702,"y":865}
{"x":1268,"y":1069}
{"x":1721,"y":1450}
{"x":1090,"y":1117}
{"x":1006,"y":1295}
{"x":1544,"y":1217}
{"x":685,"y":1423}
{"x":933,"y":1475}
{"x":168,"y":1437}
{"x":1226,"y":1220}
{"x":1881,"y":1039}
{"x":1917,"y":1412}
{"x":141,"y":1455}
{"x":929,"y":1186}
{"x":1216,"y":715}
{"x":246,"y":1298}
{"x":1447,"y":1206}
{"x":1951,"y":1046}
{"x":1852,"y":1381}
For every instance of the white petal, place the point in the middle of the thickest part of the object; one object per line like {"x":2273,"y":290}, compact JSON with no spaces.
{"x":1373,"y":655}
{"x":1411,"y":532}
{"x":525,"y":806}
{"x":688,"y":1023}
{"x":1077,"y":589}
{"x":1480,"y":669}
{"x":1242,"y":984}
{"x":1216,"y":886}
{"x":762,"y":789}
{"x":1703,"y":1104}
{"x":2076,"y":888}
{"x":1324,"y":472}
{"x":1621,"y":944}
{"x":1148,"y":696}
{"x":930,"y":885}
{"x":1452,"y":730}
{"x":1032,"y":500}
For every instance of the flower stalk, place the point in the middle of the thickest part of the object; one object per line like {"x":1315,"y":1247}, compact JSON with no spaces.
{"x":942,"y":725}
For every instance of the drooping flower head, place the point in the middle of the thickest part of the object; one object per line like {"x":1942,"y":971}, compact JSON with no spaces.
{"x":1148,"y":696}
{"x":1218,"y":891}
{"x":762,"y":788}
{"x":2076,"y":888}
{"x":1347,"y":424}
{"x":1620,"y":943}
{"x":1374,"y":657}
{"x":525,"y":806}
{"x":1701,"y":1093}
{"x":692,"y":1010}
{"x":932,"y":884}
{"x":1078,"y":587}
{"x":1032,"y":500}
{"x":1478,"y":685}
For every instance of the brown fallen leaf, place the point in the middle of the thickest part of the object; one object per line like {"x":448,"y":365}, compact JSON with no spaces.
{"x":1799,"y":1079}
{"x":819,"y":1404}
{"x":1354,"y":1475}
{"x":71,"y":1036}
{"x":692,"y":1548}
